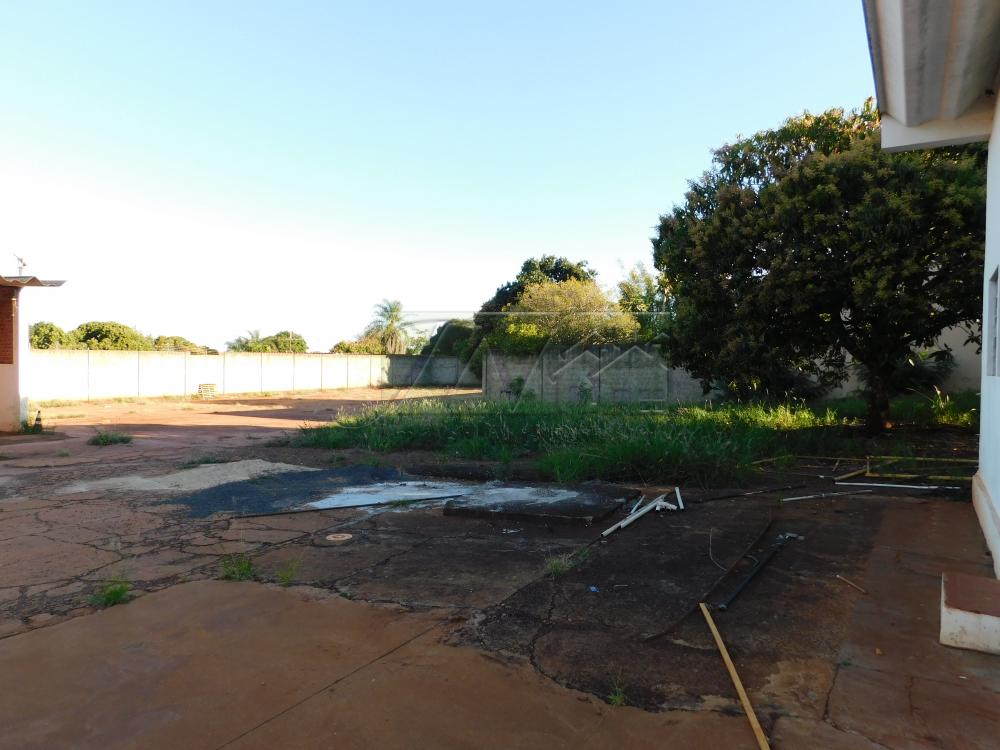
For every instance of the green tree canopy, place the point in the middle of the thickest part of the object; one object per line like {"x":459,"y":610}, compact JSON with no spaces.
{"x":450,"y":338}
{"x":252,"y":342}
{"x":45,"y":335}
{"x":645,"y":297}
{"x":288,"y":342}
{"x":565,"y":313}
{"x":387,"y":333}
{"x":107,"y":335}
{"x":388,"y":327}
{"x":282,"y":341}
{"x":362,"y":345}
{"x":533,"y":271}
{"x":180,"y":344}
{"x":809,"y":242}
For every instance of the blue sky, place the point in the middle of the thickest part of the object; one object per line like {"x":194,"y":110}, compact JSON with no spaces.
{"x":202,"y":168}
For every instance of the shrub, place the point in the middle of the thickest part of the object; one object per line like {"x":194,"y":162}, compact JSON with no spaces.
{"x":110,"y":437}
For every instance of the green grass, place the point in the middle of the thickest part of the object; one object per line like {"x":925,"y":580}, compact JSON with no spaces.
{"x":571,"y":442}
{"x":617,"y":695}
{"x":558,"y":565}
{"x":110,"y":437}
{"x":238,"y":568}
{"x":287,"y":572}
{"x":115,"y":591}
{"x":202,"y":460}
{"x":701,"y":444}
{"x":933,"y":410}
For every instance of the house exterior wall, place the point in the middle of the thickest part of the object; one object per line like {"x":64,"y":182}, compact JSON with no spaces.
{"x":964,"y":377}
{"x":11,"y":406}
{"x":986,"y":489}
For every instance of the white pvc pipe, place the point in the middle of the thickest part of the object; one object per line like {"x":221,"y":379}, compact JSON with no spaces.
{"x":823,"y":494}
{"x":899,"y":486}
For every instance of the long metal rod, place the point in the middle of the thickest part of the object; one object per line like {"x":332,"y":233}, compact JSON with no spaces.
{"x":764,"y":559}
{"x":715,"y":584}
{"x":748,"y":494}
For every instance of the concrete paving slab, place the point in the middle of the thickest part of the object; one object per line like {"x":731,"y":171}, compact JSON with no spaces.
{"x":192,"y":666}
{"x":30,"y":560}
{"x":793,"y":733}
{"x":213,"y":664}
{"x":910,"y":713}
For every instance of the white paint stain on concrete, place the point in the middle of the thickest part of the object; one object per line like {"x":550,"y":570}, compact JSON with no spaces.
{"x":383,"y":493}
{"x":487,"y":495}
{"x":188,"y":480}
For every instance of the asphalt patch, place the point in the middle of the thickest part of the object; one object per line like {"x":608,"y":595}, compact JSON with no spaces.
{"x":279,"y":492}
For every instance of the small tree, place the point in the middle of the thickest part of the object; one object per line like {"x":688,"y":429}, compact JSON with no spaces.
{"x":286,"y":341}
{"x":252,"y":342}
{"x":180,"y":344}
{"x":646,"y":298}
{"x":449,"y":338}
{"x":45,"y":335}
{"x":533,"y":271}
{"x":388,"y":327}
{"x":363,"y":345}
{"x":565,"y":313}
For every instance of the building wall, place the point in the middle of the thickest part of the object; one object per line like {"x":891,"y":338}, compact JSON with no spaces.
{"x":11,"y":407}
{"x":986,"y":490}
{"x":606,"y":374}
{"x":964,"y":377}
{"x":86,"y":375}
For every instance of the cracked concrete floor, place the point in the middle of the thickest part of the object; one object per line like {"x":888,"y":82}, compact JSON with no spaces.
{"x":455,"y":638}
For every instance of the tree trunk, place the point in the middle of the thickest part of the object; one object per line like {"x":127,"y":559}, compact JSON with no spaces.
{"x":877,"y":418}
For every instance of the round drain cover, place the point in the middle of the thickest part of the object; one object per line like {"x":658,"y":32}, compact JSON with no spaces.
{"x":338,"y":537}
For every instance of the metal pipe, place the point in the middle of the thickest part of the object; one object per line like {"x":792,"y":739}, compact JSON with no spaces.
{"x":823,"y":494}
{"x":778,"y":543}
{"x":899,"y":486}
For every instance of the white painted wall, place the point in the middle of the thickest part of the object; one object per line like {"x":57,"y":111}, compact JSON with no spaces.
{"x":986,"y":491}
{"x":964,"y":377}
{"x":85,"y":375}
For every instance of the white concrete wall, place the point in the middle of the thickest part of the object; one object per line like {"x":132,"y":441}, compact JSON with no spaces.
{"x":964,"y":377}
{"x":84,"y":375}
{"x":986,"y":490}
{"x":609,"y":374}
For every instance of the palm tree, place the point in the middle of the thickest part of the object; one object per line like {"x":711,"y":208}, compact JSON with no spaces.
{"x":388,"y":326}
{"x":252,"y":342}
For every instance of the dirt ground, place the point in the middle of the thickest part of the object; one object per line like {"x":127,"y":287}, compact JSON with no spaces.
{"x":406,"y":627}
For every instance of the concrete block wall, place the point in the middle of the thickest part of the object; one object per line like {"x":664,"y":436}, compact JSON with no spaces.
{"x":606,"y":374}
{"x":93,"y":374}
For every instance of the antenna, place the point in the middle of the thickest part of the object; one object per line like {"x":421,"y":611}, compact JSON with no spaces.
{"x":21,"y":265}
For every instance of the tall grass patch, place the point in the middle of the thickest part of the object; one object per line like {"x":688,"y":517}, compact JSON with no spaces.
{"x":582,"y":441}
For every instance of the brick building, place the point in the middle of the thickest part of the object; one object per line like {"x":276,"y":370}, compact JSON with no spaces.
{"x":14,"y":350}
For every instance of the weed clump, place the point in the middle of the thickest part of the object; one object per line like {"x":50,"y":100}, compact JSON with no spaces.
{"x":558,"y":565}
{"x":202,"y":460}
{"x":115,"y":591}
{"x":238,"y":568}
{"x":287,"y":572}
{"x":110,"y":437}
{"x":617,"y":695}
